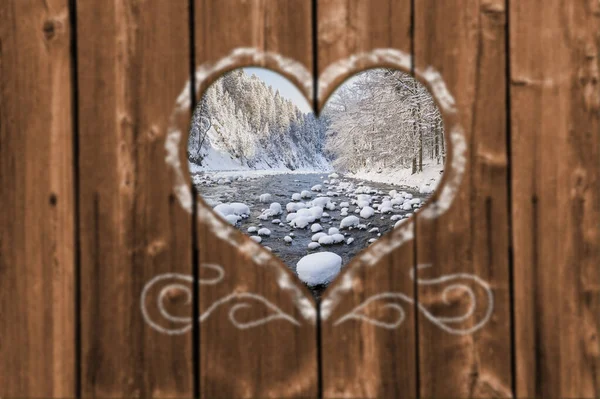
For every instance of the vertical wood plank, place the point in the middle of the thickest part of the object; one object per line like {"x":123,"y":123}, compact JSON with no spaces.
{"x":361,"y":360}
{"x":37,"y":310}
{"x":133,"y":61}
{"x":555,"y":103}
{"x":276,"y":359}
{"x":465,"y":42}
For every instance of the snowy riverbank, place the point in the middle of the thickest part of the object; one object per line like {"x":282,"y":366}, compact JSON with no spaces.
{"x":424,"y":182}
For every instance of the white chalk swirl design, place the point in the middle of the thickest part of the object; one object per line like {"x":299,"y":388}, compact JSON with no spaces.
{"x":449,"y":324}
{"x":183,"y":283}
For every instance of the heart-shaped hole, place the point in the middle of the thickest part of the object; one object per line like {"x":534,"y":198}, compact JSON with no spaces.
{"x":316,"y":191}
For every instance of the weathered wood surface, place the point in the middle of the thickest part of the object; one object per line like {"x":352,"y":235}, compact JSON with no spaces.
{"x":465,"y":42}
{"x":88,"y":215}
{"x":37,"y":207}
{"x":276,"y":359}
{"x":357,"y":358}
{"x":555,"y":111}
{"x":133,"y":59}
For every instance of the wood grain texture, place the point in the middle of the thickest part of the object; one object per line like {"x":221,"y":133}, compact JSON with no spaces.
{"x":350,"y":27}
{"x":465,"y":42}
{"x":133,"y":61}
{"x":555,"y":104}
{"x":277,"y":359}
{"x":360,"y":360}
{"x":37,"y":294}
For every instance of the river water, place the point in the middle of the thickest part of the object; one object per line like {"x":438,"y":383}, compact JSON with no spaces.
{"x":281,"y":187}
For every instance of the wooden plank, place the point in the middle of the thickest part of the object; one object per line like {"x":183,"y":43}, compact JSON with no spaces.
{"x":360,"y":359}
{"x":37,"y":311}
{"x":555,"y":103}
{"x":278,"y":358}
{"x":465,"y":42}
{"x":133,"y":63}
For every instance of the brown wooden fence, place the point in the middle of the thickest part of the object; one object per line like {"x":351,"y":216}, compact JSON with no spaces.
{"x":95,"y":226}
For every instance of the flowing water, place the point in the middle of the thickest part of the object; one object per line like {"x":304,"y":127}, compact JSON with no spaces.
{"x":281,"y":187}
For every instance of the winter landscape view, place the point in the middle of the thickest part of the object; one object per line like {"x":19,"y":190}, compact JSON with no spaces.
{"x":316,"y":190}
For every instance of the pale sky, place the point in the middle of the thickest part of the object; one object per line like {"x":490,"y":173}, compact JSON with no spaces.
{"x":278,"y":82}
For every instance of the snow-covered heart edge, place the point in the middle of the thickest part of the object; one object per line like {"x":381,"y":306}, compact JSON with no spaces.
{"x":334,"y":75}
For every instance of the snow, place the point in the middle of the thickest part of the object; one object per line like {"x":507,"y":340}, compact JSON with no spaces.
{"x":333,"y":230}
{"x":287,"y":239}
{"x":295,"y":206}
{"x":276,"y":221}
{"x":316,"y":187}
{"x":290,"y":217}
{"x":337,"y":238}
{"x":264,"y":232}
{"x":264,"y":198}
{"x":313,"y":245}
{"x":349,"y":240}
{"x":305,"y":194}
{"x":317,"y":236}
{"x":326,"y":240}
{"x":300,"y":222}
{"x":367,"y":212}
{"x":425,"y":182}
{"x":321,"y":201}
{"x":224,"y":209}
{"x":256,"y":238}
{"x":317,"y":212}
{"x":296,"y":197}
{"x":319,"y":268}
{"x":344,"y":204}
{"x":235,"y":208}
{"x":233,"y":219}
{"x":349,"y":221}
{"x":316,"y":228}
{"x":252,"y":229}
{"x":275,"y":209}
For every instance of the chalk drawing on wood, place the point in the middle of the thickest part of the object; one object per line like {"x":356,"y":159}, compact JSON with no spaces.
{"x":183,"y":283}
{"x":389,"y":300}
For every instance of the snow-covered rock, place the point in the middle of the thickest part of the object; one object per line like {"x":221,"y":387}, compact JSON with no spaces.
{"x":319,"y":268}
{"x":326,"y":240}
{"x":315,"y":228}
{"x":313,"y":245}
{"x":300,"y":222}
{"x":256,"y":238}
{"x":296,"y":197}
{"x":287,"y":239}
{"x":264,"y":232}
{"x":349,"y":221}
{"x":317,"y":236}
{"x":264,"y":198}
{"x":337,"y":238}
{"x":316,"y":187}
{"x":306,"y":194}
{"x":349,"y":240}
{"x":233,"y":219}
{"x":275,"y":209}
{"x":333,"y":230}
{"x":367,"y":212}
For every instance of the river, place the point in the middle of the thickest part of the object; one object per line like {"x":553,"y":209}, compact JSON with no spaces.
{"x":281,"y":187}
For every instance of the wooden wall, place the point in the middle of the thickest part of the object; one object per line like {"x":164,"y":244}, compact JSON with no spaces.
{"x":95,"y":226}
